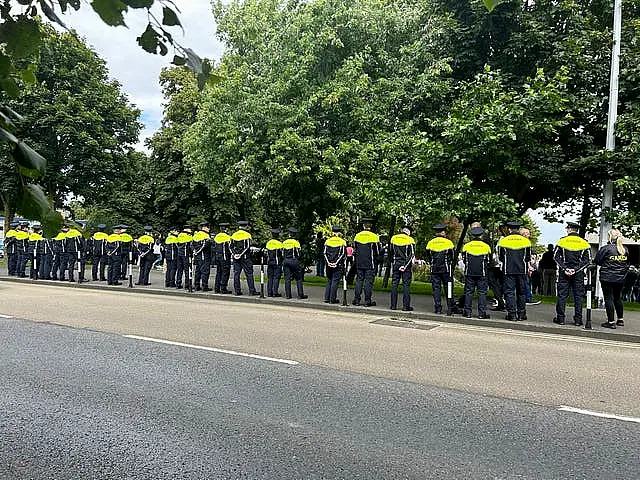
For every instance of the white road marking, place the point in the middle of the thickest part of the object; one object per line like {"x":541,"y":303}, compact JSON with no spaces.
{"x":211,"y":349}
{"x":5,"y":316}
{"x":564,"y":408}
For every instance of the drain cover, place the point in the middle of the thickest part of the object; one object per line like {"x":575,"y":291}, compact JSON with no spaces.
{"x":391,"y":322}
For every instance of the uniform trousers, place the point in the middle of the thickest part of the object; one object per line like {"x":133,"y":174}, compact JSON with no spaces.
{"x":274,"y":274}
{"x":406,"y":276}
{"x":471,"y":283}
{"x":170,"y":274}
{"x":223,"y":272}
{"x":514,"y":295}
{"x":364,"y":281}
{"x":98,"y":267}
{"x":334,"y":275}
{"x":440,"y":281}
{"x":202,"y":273}
{"x":44,"y":266}
{"x":291,"y":270}
{"x":146,"y":262}
{"x":115,"y":269}
{"x":243,"y":265}
{"x":565,"y":282}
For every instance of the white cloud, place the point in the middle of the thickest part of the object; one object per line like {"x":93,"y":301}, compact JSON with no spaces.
{"x":137,"y":70}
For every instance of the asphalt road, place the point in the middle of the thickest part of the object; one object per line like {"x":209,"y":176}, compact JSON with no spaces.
{"x":338,"y":396}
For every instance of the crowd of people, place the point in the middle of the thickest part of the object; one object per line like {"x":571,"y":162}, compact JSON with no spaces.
{"x":509,"y":269}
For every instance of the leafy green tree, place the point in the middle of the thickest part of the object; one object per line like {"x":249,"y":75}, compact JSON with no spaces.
{"x":77,"y":118}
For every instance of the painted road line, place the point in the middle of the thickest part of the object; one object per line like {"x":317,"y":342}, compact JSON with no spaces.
{"x":211,"y":349}
{"x":564,"y":408}
{"x":5,"y":316}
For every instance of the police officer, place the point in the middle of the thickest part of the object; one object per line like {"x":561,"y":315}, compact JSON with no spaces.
{"x":57,"y":245}
{"x":222,"y":255}
{"x":144,"y":246}
{"x":22,"y":248}
{"x":440,"y":259}
{"x":114,"y":257}
{"x":291,"y":264}
{"x":572,"y":254}
{"x":514,"y":252}
{"x":35,"y":250}
{"x":366,"y":252}
{"x":126,"y":246}
{"x":476,"y":255}
{"x":171,"y":257}
{"x":202,"y":257}
{"x":403,"y":252}
{"x":74,"y":248}
{"x":241,"y":252}
{"x":11,"y":248}
{"x":335,"y":255}
{"x":98,"y":253}
{"x":45,"y":257}
{"x":185,"y":252}
{"x":274,"y":263}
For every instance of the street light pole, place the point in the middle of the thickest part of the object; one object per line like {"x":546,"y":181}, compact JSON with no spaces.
{"x":607,"y":194}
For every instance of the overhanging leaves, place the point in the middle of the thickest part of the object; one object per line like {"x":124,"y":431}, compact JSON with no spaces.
{"x":29,"y":158}
{"x":110,"y":11}
{"x":169,"y":17}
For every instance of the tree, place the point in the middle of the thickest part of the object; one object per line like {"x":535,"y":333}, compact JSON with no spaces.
{"x":20,"y":37}
{"x":77,"y":118}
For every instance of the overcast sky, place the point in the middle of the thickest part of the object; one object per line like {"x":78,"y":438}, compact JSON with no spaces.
{"x":136,"y":69}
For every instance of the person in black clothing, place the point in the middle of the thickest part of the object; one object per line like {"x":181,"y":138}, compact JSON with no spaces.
{"x":366,"y":250}
{"x":144,"y":247}
{"x":241,"y":248}
{"x":202,"y":257}
{"x":403,"y":252}
{"x":548,"y":267}
{"x":222,"y":259}
{"x":573,"y":256}
{"x":291,"y":264}
{"x":274,"y":263}
{"x":98,"y":250}
{"x":613,"y":260}
{"x":335,"y":255}
{"x":514,"y":253}
{"x":439,"y":256}
{"x":476,"y":255}
{"x":171,"y":257}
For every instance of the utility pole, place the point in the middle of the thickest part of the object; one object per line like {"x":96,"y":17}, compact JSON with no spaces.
{"x":607,"y":194}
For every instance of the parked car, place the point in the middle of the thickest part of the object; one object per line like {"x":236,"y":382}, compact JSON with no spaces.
{"x":1,"y":247}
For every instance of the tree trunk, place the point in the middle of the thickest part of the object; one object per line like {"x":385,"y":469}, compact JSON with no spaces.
{"x":9,"y":212}
{"x":387,"y":269}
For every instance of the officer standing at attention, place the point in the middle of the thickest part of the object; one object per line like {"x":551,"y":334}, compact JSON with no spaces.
{"x":514,"y":251}
{"x":291,"y":264}
{"x":11,"y":248}
{"x":184,"y":246}
{"x":222,"y":255}
{"x":572,"y":255}
{"x":366,"y":251}
{"x":57,"y":244}
{"x":22,"y":248}
{"x":440,"y":259}
{"x":335,"y":255}
{"x":114,"y":257}
{"x":274,"y":263}
{"x":126,"y":244}
{"x":171,"y":257}
{"x":75,"y":248}
{"x":202,"y":257}
{"x":45,"y":253}
{"x":98,"y":252}
{"x":241,"y":253}
{"x":403,"y":252}
{"x":476,"y":255}
{"x":145,"y":255}
{"x":35,"y":250}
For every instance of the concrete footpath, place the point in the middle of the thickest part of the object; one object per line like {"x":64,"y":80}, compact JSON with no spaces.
{"x":539,"y":317}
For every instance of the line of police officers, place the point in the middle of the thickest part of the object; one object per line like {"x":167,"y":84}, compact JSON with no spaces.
{"x":189,"y":257}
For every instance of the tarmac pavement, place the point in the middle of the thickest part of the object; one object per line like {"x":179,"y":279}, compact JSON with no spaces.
{"x":539,"y":317}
